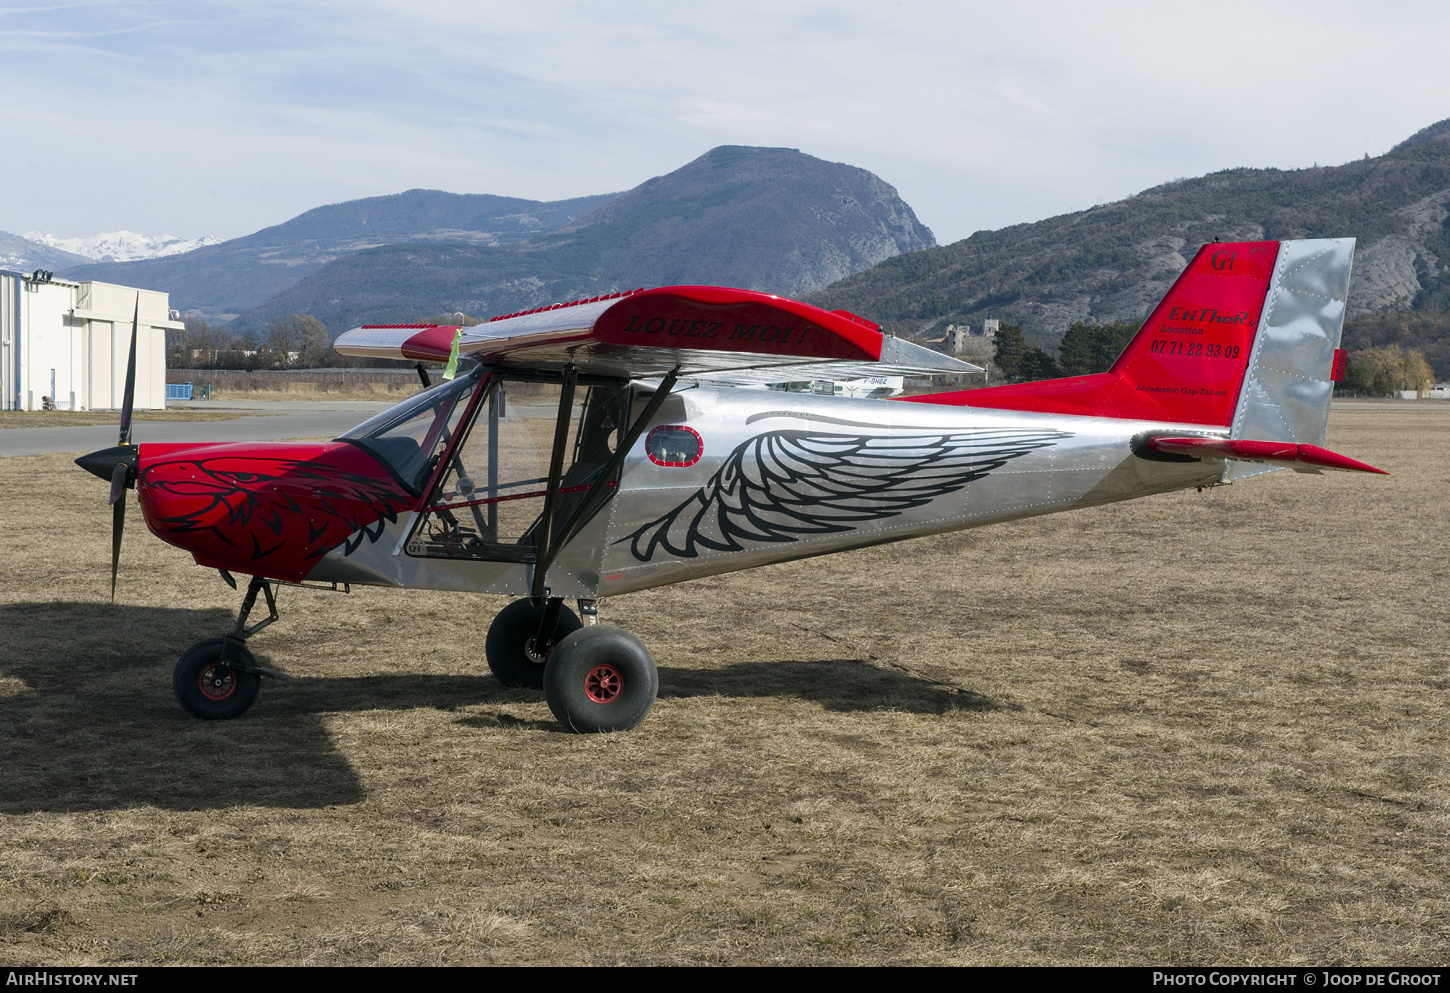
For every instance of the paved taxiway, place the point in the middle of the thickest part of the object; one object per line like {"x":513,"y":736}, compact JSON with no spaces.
{"x":259,"y":421}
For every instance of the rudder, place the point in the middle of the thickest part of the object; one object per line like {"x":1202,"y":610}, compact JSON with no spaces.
{"x":1296,"y":356}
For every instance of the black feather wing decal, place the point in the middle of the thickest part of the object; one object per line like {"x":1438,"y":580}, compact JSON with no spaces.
{"x":781,"y":486}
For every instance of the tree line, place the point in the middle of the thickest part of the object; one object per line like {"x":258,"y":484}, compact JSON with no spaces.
{"x":1087,"y":348}
{"x":1384,"y":371}
{"x":301,"y":341}
{"x":1092,"y":348}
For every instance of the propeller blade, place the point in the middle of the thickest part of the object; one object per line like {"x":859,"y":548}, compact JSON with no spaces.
{"x":118,"y":520}
{"x":120,"y":465}
{"x":129,"y":397}
{"x":120,"y":476}
{"x":121,"y":473}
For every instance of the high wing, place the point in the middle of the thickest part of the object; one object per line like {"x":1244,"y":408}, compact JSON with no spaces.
{"x":705,"y":332}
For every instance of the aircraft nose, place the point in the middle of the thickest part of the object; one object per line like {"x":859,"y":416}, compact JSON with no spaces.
{"x":104,"y":462}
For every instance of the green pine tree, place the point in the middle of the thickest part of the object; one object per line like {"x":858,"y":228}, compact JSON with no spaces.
{"x":1089,"y":348}
{"x":1019,"y":362}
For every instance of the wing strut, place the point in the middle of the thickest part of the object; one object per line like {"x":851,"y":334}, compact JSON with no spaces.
{"x":599,"y":492}
{"x":556,"y":475}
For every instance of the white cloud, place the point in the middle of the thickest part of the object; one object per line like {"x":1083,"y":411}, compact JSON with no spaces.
{"x":216,"y":118}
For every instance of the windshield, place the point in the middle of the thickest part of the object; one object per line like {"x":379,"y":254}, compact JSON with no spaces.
{"x":405,"y":436}
{"x":490,"y":500}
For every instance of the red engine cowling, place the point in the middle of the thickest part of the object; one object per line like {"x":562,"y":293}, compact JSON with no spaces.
{"x":268,"y":510}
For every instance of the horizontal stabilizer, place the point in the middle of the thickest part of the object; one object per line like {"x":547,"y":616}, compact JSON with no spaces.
{"x":1286,"y":454}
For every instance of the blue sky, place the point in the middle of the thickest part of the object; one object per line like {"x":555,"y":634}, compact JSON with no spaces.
{"x":218,"y":118}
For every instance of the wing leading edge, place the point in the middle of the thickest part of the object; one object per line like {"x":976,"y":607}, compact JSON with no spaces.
{"x":706,"y":332}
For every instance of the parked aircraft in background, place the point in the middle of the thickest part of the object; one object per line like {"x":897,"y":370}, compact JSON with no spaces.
{"x":864,"y":388}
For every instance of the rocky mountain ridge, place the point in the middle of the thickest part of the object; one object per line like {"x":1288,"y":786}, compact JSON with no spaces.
{"x":1114,"y":261}
{"x":18,"y":254}
{"x":770,"y":219}
{"x":123,"y":246}
{"x":223,"y":280}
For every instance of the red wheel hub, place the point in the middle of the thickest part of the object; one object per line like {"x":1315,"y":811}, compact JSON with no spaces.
{"x":216,"y":684}
{"x":603,"y":684}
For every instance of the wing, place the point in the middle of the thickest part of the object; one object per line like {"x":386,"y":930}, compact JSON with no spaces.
{"x":785,"y":485}
{"x":703,"y":331}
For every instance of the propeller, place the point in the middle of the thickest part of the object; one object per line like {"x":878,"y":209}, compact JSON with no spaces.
{"x":121,"y":463}
{"x":128,"y":399}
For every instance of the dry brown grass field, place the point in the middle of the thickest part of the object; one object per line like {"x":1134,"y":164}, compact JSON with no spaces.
{"x":1198,"y":728}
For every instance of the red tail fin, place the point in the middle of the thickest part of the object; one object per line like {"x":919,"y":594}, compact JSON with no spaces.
{"x":1186,"y":364}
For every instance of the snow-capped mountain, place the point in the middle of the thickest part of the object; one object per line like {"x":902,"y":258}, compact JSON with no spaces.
{"x":122,"y":246}
{"x":19,"y":254}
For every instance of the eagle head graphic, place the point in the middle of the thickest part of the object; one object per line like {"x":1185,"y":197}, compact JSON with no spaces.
{"x":270,"y":510}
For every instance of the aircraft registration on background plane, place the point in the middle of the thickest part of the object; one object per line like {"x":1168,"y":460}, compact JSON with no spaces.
{"x":598,"y":448}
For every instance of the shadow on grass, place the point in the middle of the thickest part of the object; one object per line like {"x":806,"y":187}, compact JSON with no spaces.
{"x":836,"y":684}
{"x":88,"y":719}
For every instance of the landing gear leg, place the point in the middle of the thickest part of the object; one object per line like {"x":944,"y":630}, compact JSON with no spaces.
{"x":218,"y":679}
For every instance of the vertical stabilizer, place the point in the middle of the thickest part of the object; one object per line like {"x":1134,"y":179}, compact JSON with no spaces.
{"x":1187,"y":362}
{"x":1247,"y":338}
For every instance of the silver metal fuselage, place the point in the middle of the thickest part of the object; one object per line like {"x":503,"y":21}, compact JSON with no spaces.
{"x":633,"y":543}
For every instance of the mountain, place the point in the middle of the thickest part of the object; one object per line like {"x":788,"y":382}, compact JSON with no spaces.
{"x":19,"y":254}
{"x":769,"y":219}
{"x":220,"y":281}
{"x":1113,"y":262}
{"x":122,"y":246}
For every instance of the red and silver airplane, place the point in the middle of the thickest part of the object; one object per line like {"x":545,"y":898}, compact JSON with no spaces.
{"x":601,"y":447}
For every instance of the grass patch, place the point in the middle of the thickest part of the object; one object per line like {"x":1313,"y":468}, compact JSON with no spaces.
{"x":1192,"y":729}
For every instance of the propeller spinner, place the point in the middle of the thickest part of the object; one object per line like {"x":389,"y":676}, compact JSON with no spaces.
{"x":121,"y":463}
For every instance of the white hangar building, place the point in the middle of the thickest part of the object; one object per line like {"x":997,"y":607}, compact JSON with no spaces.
{"x":70,"y":341}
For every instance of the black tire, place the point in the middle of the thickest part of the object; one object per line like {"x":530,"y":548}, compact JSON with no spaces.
{"x":601,"y":679}
{"x":209,"y":695}
{"x":510,"y":649}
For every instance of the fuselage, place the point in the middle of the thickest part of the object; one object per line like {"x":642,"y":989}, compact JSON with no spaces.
{"x":720,"y":480}
{"x":590,"y":451}
{"x":539,"y":461}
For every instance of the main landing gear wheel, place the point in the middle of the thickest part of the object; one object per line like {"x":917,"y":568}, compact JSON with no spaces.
{"x":210,"y":690}
{"x":512,"y":647}
{"x":601,"y":678}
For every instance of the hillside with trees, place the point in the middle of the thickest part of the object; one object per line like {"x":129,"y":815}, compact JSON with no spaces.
{"x":1113,"y":262}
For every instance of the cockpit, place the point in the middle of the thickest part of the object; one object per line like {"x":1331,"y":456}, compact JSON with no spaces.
{"x":499,"y":441}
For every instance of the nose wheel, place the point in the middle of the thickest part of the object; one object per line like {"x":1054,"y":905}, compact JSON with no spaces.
{"x":215,"y":688}
{"x":218,"y":679}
